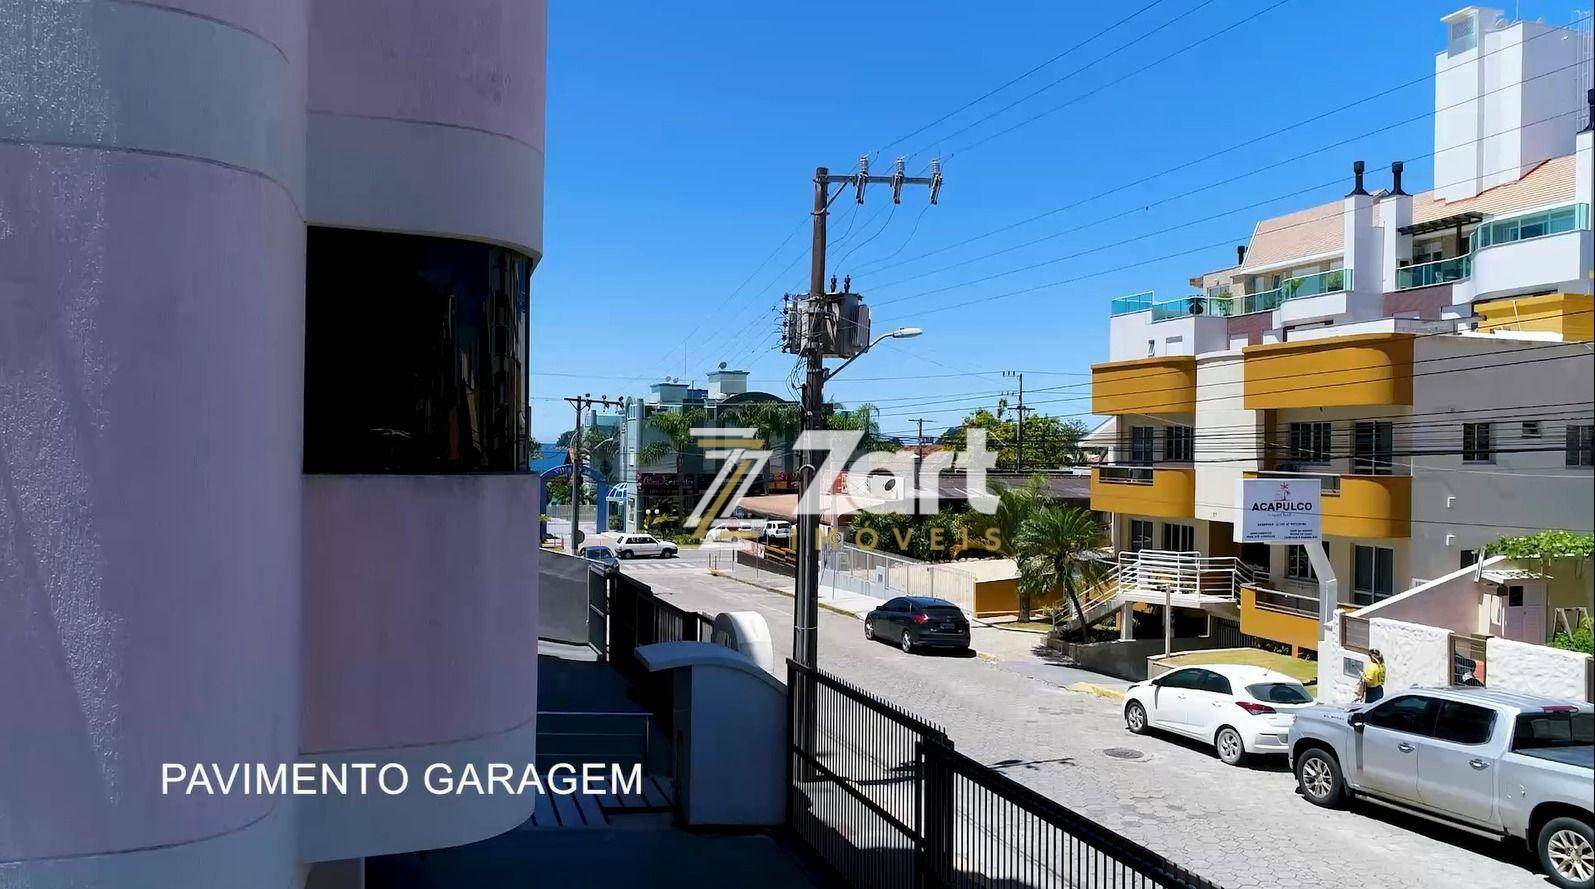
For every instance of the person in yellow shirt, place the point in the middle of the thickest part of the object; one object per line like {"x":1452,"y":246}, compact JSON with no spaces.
{"x":1372,"y":686}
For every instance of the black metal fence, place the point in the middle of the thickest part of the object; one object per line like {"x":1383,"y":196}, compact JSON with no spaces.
{"x":638,"y":617}
{"x":884,"y":800}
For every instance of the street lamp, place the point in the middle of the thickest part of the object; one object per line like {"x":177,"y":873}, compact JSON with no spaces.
{"x":901,"y":333}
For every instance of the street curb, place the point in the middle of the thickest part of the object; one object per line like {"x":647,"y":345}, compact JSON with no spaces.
{"x":1099,"y":691}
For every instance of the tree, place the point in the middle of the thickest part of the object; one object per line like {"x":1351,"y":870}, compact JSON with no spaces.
{"x":1054,"y":546}
{"x":1014,"y":505}
{"x":862,"y":419}
{"x":1049,"y":442}
{"x":676,"y":426}
{"x":777,"y":422}
{"x":600,"y":449}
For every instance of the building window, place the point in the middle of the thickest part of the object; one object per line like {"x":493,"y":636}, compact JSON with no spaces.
{"x":1310,"y":442}
{"x":1141,"y":445}
{"x":1297,"y":564}
{"x":1140,"y":535}
{"x":415,"y":354}
{"x":1476,"y":447}
{"x":1373,"y":448}
{"x":1179,"y":538}
{"x":1578,"y":445}
{"x":1373,"y":573}
{"x":1178,"y":444}
{"x":1531,"y":428}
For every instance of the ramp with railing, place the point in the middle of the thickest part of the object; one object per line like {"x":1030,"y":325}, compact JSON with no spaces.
{"x":1158,"y":577}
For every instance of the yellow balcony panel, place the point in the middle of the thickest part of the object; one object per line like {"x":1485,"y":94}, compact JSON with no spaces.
{"x":1160,"y":385}
{"x":1164,"y":492}
{"x":1363,"y":369}
{"x":1377,"y":506}
{"x":1567,"y":315}
{"x":1280,"y":617}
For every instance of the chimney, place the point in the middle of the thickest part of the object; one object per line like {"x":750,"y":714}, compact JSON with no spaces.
{"x":1395,"y":177}
{"x":1240,"y":254}
{"x":1356,"y":172}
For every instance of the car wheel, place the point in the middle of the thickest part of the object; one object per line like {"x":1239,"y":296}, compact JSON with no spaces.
{"x":1567,"y":852}
{"x":1229,"y":746}
{"x":869,"y":630}
{"x":1318,"y":776}
{"x":908,"y":642}
{"x":1135,"y":718}
{"x":670,"y":554}
{"x":625,"y":554}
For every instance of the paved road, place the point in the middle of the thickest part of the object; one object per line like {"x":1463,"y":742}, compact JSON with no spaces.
{"x":1240,"y":827}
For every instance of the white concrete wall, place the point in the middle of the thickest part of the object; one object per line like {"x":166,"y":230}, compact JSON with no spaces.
{"x":1457,"y":506}
{"x":1189,"y":335}
{"x":1227,"y":435}
{"x":1415,"y":654}
{"x":1335,"y":684}
{"x":1537,"y":669}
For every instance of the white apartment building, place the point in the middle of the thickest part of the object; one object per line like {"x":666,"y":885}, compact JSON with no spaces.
{"x":1426,"y":357}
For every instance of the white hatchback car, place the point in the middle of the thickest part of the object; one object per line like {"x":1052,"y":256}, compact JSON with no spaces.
{"x":1238,"y":709}
{"x":630,"y":546}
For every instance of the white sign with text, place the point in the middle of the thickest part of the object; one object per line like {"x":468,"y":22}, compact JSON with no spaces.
{"x":1278,"y":510}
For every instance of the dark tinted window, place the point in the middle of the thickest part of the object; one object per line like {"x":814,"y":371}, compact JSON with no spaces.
{"x":415,"y":354}
{"x":1464,"y":723}
{"x":1181,"y":679}
{"x":895,"y":605}
{"x":1279,"y":693}
{"x":1215,"y":683}
{"x":1412,"y":714}
{"x":1538,"y":730}
{"x":943,"y":611}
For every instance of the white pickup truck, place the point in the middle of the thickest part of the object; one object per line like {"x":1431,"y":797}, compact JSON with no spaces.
{"x":1490,"y":762}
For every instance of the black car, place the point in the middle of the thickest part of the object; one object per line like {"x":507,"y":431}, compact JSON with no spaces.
{"x":918,"y":622}
{"x":603,"y":558}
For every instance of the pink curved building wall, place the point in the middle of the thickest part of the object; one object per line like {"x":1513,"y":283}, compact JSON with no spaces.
{"x":151,"y":331}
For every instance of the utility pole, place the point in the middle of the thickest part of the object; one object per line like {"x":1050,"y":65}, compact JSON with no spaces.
{"x":581,"y":403}
{"x":919,"y":457}
{"x":819,"y":324}
{"x":1019,"y":429}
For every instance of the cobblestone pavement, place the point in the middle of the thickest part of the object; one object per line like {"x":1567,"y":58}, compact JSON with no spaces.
{"x":1239,"y":827}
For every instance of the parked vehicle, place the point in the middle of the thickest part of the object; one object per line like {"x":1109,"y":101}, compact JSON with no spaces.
{"x":603,"y":557}
{"x":1238,"y":709}
{"x":777,"y":532}
{"x":1490,"y":762}
{"x":916,"y":622}
{"x":630,"y":546}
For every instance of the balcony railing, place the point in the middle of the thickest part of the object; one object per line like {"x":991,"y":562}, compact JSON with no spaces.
{"x":1440,"y":271}
{"x":1573,"y":217}
{"x":1125,"y":475}
{"x":1333,"y":281}
{"x":1191,"y":305}
{"x":1135,"y":302}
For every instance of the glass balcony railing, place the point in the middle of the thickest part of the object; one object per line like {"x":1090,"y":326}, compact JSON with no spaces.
{"x":1135,"y":302}
{"x":1573,"y":217}
{"x":1333,"y":281}
{"x":1441,"y":271}
{"x":1191,"y":305}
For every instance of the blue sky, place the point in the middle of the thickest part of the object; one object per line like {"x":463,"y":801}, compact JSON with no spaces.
{"x":680,"y":149}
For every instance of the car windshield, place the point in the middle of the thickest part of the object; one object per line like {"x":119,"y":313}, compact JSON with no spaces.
{"x":598,"y":552}
{"x":943,"y":611}
{"x":1536,"y":731}
{"x":1279,"y":693}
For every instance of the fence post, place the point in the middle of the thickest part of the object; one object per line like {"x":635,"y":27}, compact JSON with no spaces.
{"x":935,"y":867}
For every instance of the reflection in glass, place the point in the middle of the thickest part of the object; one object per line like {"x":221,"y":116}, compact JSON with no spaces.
{"x":415,"y":354}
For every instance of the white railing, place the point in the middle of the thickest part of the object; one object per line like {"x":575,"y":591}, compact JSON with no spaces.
{"x":1186,"y":574}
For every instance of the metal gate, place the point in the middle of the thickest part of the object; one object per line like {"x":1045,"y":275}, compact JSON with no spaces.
{"x":883,"y":799}
{"x":598,"y":612}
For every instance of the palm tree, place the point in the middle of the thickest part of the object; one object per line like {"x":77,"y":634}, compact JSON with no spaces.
{"x":863,"y":419}
{"x":1014,"y":505}
{"x":777,"y":422}
{"x":677,"y":428}
{"x":1054,"y":545}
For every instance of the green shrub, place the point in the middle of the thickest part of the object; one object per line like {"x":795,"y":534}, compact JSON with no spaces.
{"x":1581,"y":639}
